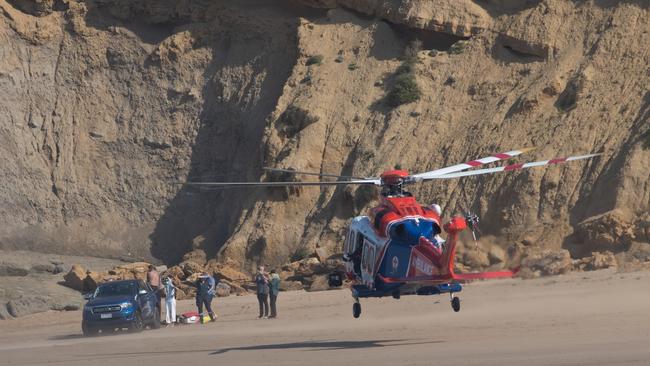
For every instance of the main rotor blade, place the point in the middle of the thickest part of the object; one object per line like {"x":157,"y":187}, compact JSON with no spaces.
{"x":310,"y":173}
{"x":513,"y":167}
{"x":282,"y":184}
{"x":470,"y":164}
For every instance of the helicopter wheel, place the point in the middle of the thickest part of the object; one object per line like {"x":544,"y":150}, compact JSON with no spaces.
{"x":356,"y":309}
{"x":455,"y":303}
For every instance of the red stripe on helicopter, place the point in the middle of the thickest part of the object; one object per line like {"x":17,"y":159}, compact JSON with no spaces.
{"x":485,"y":275}
{"x":433,"y":279}
{"x":513,"y":167}
{"x":557,"y":161}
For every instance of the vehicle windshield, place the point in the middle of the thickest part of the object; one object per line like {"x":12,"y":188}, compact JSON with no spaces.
{"x":116,"y":289}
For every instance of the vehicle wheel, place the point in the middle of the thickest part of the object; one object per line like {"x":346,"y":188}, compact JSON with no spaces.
{"x":396,"y":295}
{"x":137,"y":324}
{"x":455,"y":304}
{"x":88,"y":331}
{"x":356,"y":309}
{"x":155,"y":323}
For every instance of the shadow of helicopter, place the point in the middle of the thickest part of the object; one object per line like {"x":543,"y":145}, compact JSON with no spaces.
{"x":328,"y":345}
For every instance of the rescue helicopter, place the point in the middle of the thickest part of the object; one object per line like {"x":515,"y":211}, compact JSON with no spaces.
{"x":397,"y":248}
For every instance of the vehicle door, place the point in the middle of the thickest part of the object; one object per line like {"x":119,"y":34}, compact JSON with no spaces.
{"x":146,"y":299}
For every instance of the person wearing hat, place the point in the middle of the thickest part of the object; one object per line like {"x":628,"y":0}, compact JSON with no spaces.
{"x":204,"y":295}
{"x":170,"y":301}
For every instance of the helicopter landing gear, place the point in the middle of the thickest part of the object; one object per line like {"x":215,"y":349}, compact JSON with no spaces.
{"x":455,"y":302}
{"x":356,"y":309}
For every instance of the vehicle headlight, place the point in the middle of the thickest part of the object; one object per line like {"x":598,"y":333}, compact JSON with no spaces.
{"x":126,"y":305}
{"x":88,"y":308}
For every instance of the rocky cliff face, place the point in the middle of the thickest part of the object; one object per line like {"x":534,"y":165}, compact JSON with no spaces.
{"x":105,"y":104}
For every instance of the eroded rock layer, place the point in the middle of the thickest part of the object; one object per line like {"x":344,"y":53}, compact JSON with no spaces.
{"x":105,"y":105}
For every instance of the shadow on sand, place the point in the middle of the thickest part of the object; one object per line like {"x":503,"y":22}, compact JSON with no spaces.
{"x":328,"y":345}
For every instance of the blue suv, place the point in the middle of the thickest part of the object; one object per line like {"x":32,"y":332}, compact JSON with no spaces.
{"x":121,"y":304}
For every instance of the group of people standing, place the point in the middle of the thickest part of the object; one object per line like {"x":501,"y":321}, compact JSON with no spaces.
{"x":267,"y":284}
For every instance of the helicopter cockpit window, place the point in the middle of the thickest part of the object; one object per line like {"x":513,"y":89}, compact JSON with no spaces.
{"x":348,"y":242}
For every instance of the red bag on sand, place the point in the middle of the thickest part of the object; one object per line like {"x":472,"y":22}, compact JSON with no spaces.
{"x":190,"y":317}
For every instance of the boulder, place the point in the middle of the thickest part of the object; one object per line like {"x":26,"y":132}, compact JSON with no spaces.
{"x":308,"y":267}
{"x":59,"y":268}
{"x":13,"y":269}
{"x":642,"y":228}
{"x":321,"y":254}
{"x":197,"y":256}
{"x":190,"y":280}
{"x":75,"y":278}
{"x":66,"y":307}
{"x":135,"y":267}
{"x":93,"y":279}
{"x":190,"y":268}
{"x":461,"y":268}
{"x":137,"y":270}
{"x":234,"y":287}
{"x":28,"y":305}
{"x":174,"y":272}
{"x":222,"y":289}
{"x":496,"y":255}
{"x":331,"y":265}
{"x":161,"y":268}
{"x":319,"y":283}
{"x":547,"y":262}
{"x":232,"y":274}
{"x":180,"y":294}
{"x":290,"y":285}
{"x":475,"y":258}
{"x":609,"y":231}
{"x":284,"y":275}
{"x":602,"y":260}
{"x":4,"y":313}
{"x":43,"y":268}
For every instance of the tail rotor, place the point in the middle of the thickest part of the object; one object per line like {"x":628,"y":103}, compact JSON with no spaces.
{"x":472,"y":222}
